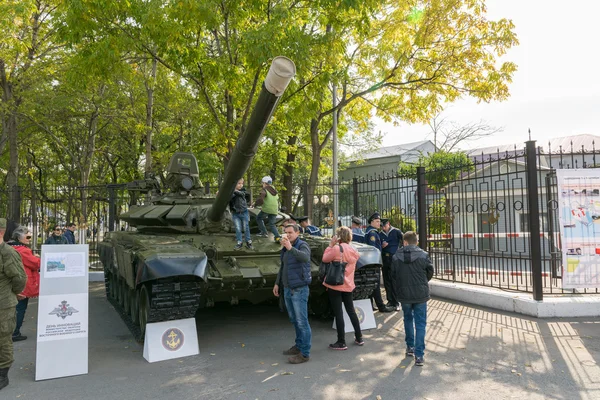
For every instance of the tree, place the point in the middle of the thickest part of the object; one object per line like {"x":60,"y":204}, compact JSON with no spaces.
{"x":449,"y":135}
{"x":414,"y":59}
{"x":441,"y":168}
{"x":27,"y":53}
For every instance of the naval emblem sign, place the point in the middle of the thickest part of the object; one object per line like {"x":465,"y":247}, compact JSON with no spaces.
{"x":170,"y":339}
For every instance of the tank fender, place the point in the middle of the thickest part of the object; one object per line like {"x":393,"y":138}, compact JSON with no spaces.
{"x":157,"y":267}
{"x":369,"y":255}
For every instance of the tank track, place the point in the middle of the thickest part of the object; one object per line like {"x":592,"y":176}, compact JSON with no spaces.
{"x":365,"y":279}
{"x":169,"y":299}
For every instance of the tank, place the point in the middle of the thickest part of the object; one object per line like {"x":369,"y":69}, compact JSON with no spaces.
{"x":180,"y":257}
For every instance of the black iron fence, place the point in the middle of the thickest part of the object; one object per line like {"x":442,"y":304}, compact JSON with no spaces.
{"x":491,"y":221}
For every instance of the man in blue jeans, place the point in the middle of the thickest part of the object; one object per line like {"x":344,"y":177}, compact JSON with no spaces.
{"x":239,"y":214}
{"x":411,"y":272}
{"x":293,"y":278}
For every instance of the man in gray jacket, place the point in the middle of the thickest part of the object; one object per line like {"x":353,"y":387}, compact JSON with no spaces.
{"x":411,"y":272}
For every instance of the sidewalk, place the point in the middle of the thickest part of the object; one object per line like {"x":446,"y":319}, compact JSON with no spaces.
{"x":472,"y":353}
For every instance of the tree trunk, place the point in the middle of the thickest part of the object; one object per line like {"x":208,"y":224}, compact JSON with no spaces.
{"x":10,"y":136}
{"x":314,"y":168}
{"x":288,"y":181}
{"x":149,"y":110}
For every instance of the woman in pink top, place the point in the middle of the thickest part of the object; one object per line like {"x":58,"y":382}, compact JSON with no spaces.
{"x":343,"y":293}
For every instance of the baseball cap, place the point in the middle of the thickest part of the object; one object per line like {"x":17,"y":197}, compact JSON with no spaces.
{"x":267,"y":179}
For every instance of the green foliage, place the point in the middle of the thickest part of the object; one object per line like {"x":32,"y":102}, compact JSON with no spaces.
{"x":441,"y":168}
{"x":400,"y":220}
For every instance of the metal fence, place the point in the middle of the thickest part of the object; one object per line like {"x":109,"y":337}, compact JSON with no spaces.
{"x":493,"y":221}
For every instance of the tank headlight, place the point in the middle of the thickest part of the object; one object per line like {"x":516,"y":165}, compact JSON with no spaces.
{"x":187,"y":183}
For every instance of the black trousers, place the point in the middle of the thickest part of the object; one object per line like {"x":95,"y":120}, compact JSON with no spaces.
{"x":388,"y":282}
{"x":376,"y":294}
{"x":337,"y":298}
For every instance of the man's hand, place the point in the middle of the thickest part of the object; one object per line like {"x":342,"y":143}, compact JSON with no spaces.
{"x":21,"y":297}
{"x":384,"y":244}
{"x":276,"y":290}
{"x":286,"y":243}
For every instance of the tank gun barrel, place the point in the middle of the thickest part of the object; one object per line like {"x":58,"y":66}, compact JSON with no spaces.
{"x":279,"y":76}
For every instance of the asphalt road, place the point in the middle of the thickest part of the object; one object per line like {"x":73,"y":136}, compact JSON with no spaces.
{"x":472,"y":353}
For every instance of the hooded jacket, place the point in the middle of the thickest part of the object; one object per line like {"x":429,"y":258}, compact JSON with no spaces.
{"x":411,"y":272}
{"x":269,"y":205}
{"x":31,"y":264}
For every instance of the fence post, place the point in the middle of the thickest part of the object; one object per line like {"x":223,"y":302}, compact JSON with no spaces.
{"x":112,"y":208}
{"x":421,"y":208}
{"x":356,"y":208}
{"x":534,"y":220}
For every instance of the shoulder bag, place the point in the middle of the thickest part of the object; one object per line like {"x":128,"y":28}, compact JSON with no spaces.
{"x":333,"y":272}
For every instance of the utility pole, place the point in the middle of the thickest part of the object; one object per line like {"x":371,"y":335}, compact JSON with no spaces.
{"x":335,"y":159}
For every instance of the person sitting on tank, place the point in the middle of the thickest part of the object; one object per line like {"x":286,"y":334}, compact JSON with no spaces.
{"x":268,"y":201}
{"x":240,"y":216}
{"x":56,"y":237}
{"x":306,"y":227}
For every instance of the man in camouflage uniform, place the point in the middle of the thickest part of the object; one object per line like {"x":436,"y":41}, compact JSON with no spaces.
{"x":12,"y":282}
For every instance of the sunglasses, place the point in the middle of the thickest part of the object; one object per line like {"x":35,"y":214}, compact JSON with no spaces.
{"x":28,"y":237}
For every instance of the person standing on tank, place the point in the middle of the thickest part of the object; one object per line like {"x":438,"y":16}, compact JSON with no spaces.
{"x":12,"y":282}
{"x":268,"y":201}
{"x":293,"y":282}
{"x":240,"y":216}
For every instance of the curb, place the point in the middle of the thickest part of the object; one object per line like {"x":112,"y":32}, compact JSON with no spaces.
{"x":587,"y":305}
{"x":96,"y":276}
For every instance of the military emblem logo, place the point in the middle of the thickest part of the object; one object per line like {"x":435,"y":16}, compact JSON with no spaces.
{"x":360,"y":314}
{"x":172,"y":339}
{"x":63,"y":310}
{"x":372,"y":238}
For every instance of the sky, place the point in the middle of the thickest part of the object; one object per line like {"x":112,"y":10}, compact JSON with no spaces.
{"x":556,"y":90}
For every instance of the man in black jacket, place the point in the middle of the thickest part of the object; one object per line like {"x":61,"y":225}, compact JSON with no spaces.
{"x":411,"y":272}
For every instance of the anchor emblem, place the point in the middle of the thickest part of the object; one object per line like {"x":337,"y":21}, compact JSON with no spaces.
{"x":172,"y":339}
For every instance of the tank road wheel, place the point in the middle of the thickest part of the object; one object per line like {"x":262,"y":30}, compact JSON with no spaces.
{"x":114,"y":292}
{"x":134,"y":306}
{"x":126,"y":296}
{"x":144,"y":309}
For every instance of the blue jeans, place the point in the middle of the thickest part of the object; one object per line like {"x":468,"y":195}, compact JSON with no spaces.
{"x":260,"y":220}
{"x":415,"y":319}
{"x":241,"y":222}
{"x":21,"y":308}
{"x":296,"y":302}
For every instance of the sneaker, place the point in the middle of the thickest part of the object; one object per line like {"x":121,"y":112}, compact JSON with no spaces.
{"x":292,"y":351}
{"x":249,"y":245}
{"x":238,"y":246}
{"x":410,"y":351}
{"x":398,"y":307}
{"x":278,"y":240}
{"x":298,"y":359}
{"x":359,"y":342}
{"x":419,"y":361}
{"x":19,"y":337}
{"x":338,"y":346}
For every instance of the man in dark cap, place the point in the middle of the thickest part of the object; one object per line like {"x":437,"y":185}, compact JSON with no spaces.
{"x":372,"y":239}
{"x":12,"y":282}
{"x":391,"y":238}
{"x":357,"y":233}
{"x":306,"y":227}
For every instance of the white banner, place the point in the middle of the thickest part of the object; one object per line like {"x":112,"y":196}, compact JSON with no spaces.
{"x":62,"y":317}
{"x":579,"y":216}
{"x":62,"y":328}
